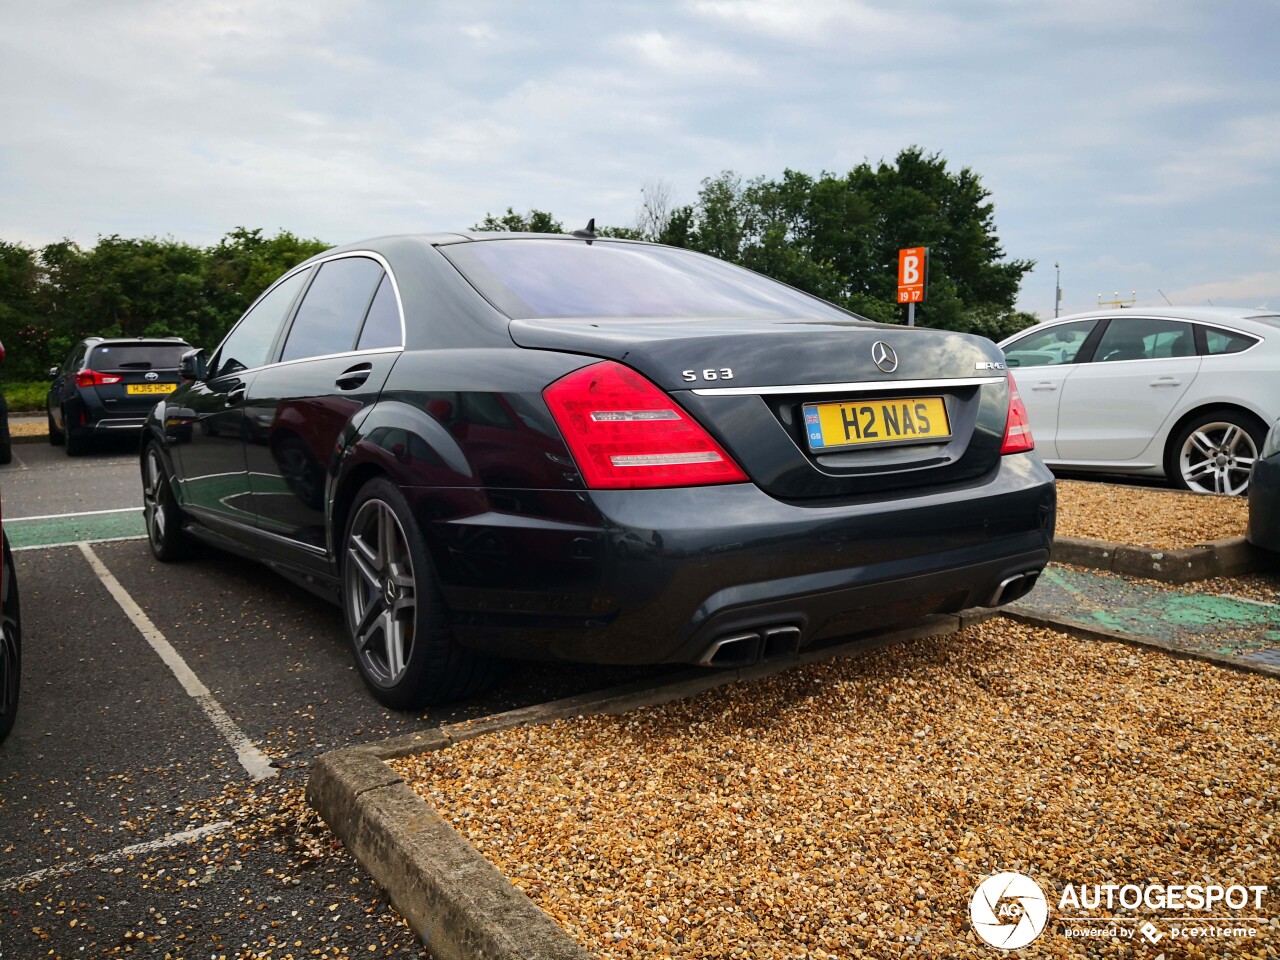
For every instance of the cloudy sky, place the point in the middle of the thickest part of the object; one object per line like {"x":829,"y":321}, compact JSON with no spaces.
{"x":1137,"y":143}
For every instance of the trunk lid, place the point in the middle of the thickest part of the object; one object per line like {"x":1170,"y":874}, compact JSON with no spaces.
{"x":147,"y":371}
{"x":791,"y":400}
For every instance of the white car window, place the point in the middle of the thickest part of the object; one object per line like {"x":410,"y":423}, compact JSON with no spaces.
{"x":1058,"y":344}
{"x":1143,"y":338}
{"x":1226,"y":341}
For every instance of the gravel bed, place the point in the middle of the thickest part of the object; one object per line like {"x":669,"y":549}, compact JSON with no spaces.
{"x":850,"y":808}
{"x":29,"y":429}
{"x":1141,"y":516}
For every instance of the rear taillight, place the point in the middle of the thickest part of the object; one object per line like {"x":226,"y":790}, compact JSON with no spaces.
{"x":1017,"y":431}
{"x":93,"y":378}
{"x":625,"y":433}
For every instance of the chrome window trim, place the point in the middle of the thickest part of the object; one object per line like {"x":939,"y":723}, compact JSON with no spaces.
{"x":309,"y":265}
{"x":367,"y":351}
{"x":854,"y":386}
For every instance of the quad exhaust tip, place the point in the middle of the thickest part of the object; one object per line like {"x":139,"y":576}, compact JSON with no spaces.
{"x":744,"y":649}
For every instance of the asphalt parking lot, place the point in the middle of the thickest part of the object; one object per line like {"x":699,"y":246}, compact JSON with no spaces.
{"x":168,"y":716}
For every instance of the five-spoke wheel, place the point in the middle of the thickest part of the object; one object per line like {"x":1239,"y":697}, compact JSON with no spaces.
{"x":396,"y":620}
{"x":1214,"y":453}
{"x":159,"y":509}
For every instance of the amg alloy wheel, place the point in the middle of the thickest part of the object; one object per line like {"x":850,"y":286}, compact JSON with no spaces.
{"x":395,"y":618}
{"x":159,"y":508}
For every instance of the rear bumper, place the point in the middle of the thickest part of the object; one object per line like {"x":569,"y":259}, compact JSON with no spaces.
{"x":1264,"y":504}
{"x":113,"y":425}
{"x":652,"y":576}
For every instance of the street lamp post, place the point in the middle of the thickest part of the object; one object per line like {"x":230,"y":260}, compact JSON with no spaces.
{"x":1057,"y":288}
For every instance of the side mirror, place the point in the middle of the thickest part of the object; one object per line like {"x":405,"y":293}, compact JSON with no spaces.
{"x":193,"y":365}
{"x":53,"y":373}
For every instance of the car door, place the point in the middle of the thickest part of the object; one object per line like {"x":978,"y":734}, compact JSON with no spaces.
{"x":344,"y":338}
{"x":1112,"y":406}
{"x":1041,"y":361}
{"x":213,"y":479}
{"x":63,"y":383}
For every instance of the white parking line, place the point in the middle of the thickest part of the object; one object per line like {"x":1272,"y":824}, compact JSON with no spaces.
{"x":253,"y":760}
{"x":98,"y":859}
{"x":51,"y":546}
{"x":84,"y":513}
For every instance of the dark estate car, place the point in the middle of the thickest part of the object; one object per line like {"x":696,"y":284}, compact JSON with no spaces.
{"x":108,"y":386}
{"x":563,"y":447}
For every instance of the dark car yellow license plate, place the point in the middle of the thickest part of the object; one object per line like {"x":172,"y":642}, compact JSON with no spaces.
{"x":150,"y":388}
{"x":865,"y":422}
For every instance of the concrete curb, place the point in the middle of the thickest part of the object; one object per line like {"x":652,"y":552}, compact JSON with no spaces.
{"x":456,"y":902}
{"x":1085,"y":631}
{"x":1220,"y":558}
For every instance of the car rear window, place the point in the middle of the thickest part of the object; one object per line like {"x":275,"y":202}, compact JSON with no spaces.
{"x":570,"y":278}
{"x":137,"y":356}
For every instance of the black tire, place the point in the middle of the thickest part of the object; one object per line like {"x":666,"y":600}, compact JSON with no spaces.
{"x":396,"y":621}
{"x":55,"y":435}
{"x":160,"y":510}
{"x":77,"y":443}
{"x":1214,"y":451}
{"x":10,"y":647}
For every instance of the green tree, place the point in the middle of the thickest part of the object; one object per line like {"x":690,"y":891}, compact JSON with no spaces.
{"x":535,"y":221}
{"x":22,"y":330}
{"x":838,"y":237}
{"x":240,"y":267}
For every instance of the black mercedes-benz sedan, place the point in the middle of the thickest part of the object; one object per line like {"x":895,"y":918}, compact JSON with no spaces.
{"x":531,"y":446}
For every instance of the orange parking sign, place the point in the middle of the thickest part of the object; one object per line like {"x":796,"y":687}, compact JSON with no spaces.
{"x":913,"y":272}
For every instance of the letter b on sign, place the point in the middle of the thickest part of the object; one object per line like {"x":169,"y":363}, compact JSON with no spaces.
{"x":913,"y":272}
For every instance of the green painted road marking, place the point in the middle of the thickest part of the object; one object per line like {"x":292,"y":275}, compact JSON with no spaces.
{"x":1204,"y":622}
{"x":57,"y":531}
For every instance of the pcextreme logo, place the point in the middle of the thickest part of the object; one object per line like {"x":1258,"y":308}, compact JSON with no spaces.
{"x":1008,"y":910}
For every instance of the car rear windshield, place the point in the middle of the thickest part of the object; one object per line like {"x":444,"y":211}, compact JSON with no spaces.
{"x":137,"y":356}
{"x":570,"y":278}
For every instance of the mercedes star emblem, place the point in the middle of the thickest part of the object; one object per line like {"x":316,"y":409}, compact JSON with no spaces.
{"x":884,"y":356}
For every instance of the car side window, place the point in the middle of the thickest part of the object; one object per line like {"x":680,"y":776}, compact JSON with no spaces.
{"x":382,"y":325}
{"x":334,"y":306}
{"x":73,"y":359}
{"x":249,"y":343}
{"x":1056,"y":345}
{"x":1142,"y":338}
{"x":1225,"y":341}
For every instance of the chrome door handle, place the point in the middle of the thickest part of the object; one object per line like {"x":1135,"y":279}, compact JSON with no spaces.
{"x":354,"y":376}
{"x":1045,"y":385}
{"x":1166,"y":382}
{"x":235,"y":396}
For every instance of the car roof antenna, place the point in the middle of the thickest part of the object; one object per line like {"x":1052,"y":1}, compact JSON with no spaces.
{"x":588,"y":234}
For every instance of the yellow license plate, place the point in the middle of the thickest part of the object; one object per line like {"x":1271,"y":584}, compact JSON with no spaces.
{"x":863,"y":422}
{"x":150,"y":388}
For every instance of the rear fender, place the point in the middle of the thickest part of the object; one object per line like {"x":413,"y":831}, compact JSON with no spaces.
{"x":403,"y":443}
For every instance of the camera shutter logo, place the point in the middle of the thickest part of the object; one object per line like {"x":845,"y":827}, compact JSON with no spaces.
{"x":1008,"y":910}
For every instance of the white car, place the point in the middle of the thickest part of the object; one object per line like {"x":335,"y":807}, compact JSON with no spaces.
{"x":1180,"y":392}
